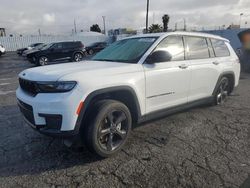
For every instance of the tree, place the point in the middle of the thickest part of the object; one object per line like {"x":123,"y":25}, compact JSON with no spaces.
{"x":165,"y":20}
{"x":155,"y":28}
{"x":95,"y":28}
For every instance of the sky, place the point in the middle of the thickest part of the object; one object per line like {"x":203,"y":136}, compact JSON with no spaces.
{"x":57,"y":16}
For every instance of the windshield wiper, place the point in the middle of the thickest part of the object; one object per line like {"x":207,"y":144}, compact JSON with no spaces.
{"x":105,"y":60}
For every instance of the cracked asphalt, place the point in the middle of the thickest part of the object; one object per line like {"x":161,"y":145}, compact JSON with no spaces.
{"x":207,"y":146}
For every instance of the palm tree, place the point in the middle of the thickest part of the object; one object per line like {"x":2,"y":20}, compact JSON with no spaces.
{"x":165,"y":20}
{"x":155,"y":28}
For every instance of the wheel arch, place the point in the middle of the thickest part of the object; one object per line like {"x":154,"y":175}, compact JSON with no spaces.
{"x":231,"y":76}
{"x":78,"y":51}
{"x":124,"y":94}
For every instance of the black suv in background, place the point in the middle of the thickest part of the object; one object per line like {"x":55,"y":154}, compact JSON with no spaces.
{"x":95,"y":47}
{"x":73,"y":51}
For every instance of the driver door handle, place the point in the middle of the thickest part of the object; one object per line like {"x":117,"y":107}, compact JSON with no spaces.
{"x":183,"y":66}
{"x":216,"y":63}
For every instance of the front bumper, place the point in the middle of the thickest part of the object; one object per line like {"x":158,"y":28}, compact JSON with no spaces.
{"x":52,"y":114}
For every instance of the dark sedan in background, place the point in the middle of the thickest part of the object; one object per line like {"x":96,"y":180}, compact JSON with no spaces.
{"x":21,"y":50}
{"x":96,"y":47}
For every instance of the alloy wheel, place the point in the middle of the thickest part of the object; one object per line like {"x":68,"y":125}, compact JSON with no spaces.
{"x":91,"y":52}
{"x":43,"y":61}
{"x":113,"y":130}
{"x":222,"y":91}
{"x":78,"y":57}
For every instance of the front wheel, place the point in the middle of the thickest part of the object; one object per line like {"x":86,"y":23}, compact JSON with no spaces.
{"x":109,"y":127}
{"x":43,"y":60}
{"x":222,"y":91}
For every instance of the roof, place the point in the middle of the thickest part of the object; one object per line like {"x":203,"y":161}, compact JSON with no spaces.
{"x":199,"y":34}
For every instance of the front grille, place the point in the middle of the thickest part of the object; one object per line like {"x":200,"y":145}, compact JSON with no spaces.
{"x":27,"y":111}
{"x":28,"y":86}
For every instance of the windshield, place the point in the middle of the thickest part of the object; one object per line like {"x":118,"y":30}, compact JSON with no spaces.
{"x":47,"y":46}
{"x":126,"y":51}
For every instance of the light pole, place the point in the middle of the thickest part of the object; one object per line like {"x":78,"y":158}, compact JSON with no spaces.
{"x":147,"y":16}
{"x":104,"y":24}
{"x":241,"y":14}
{"x":75,"y":26}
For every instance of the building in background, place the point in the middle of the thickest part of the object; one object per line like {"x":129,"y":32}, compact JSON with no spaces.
{"x":122,"y":31}
{"x":2,"y":32}
{"x":233,"y":26}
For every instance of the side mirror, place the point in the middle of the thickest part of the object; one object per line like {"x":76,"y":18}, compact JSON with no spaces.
{"x":158,"y":57}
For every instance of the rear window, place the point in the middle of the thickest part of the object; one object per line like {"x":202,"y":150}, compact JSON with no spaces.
{"x":72,"y":44}
{"x":220,"y":48}
{"x":197,"y":48}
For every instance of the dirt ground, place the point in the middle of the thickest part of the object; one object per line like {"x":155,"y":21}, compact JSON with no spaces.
{"x":202,"y":147}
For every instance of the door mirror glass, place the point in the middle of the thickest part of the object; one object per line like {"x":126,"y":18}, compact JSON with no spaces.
{"x":158,"y":57}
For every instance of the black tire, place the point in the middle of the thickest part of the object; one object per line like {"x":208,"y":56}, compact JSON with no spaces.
{"x":78,"y":57}
{"x":1,"y":54}
{"x":103,"y":136}
{"x":222,"y":91}
{"x":42,"y":61}
{"x":91,"y":52}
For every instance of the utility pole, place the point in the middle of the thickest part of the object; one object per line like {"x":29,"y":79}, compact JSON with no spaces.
{"x":185,"y":25}
{"x":104,"y":24}
{"x":153,"y":18}
{"x":75,"y":25}
{"x":147,"y":16}
{"x":241,"y":14}
{"x":39,"y":32}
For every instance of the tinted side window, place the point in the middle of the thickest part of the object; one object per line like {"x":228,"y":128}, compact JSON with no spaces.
{"x":220,"y":48}
{"x":196,"y":48}
{"x":68,"y":45}
{"x":58,"y":46}
{"x":174,"y":46}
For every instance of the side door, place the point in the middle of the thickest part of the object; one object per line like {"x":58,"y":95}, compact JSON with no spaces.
{"x":204,"y":67}
{"x":68,"y":50}
{"x":167,"y":83}
{"x":56,"y":52}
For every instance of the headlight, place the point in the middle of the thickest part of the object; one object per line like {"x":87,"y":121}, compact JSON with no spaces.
{"x":55,"y":87}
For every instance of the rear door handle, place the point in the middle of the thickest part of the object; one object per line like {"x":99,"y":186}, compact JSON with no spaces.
{"x":216,"y":63}
{"x":183,"y":66}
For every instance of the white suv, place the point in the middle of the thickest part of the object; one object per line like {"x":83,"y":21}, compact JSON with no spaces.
{"x":2,"y":50}
{"x":131,"y":81}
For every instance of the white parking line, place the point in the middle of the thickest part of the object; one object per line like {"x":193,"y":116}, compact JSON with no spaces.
{"x":2,"y":79}
{"x":6,"y":92}
{"x":4,"y":84}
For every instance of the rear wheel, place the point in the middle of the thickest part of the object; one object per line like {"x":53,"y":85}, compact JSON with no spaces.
{"x":78,"y":57}
{"x":91,"y":52}
{"x":222,"y":91}
{"x":109,"y":127}
{"x":43,"y":60}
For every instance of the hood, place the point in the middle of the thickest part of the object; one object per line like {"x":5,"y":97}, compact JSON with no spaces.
{"x":32,"y":51}
{"x":89,"y":68}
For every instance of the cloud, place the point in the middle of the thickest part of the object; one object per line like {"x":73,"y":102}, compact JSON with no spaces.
{"x":58,"y":16}
{"x":49,"y":18}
